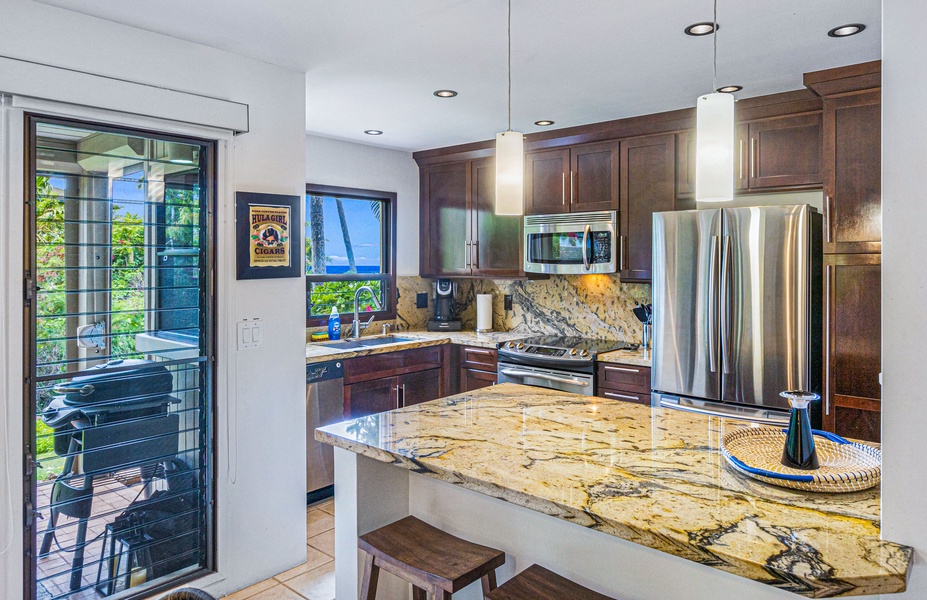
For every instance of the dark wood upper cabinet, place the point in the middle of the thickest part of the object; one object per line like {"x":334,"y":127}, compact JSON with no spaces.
{"x":546,"y":174}
{"x":496,"y":239}
{"x":786,"y":152}
{"x":445,"y":220}
{"x":852,"y":344}
{"x":779,"y":153}
{"x":461,"y":234}
{"x":648,"y":185}
{"x":581,"y":178}
{"x":685,"y":163}
{"x":593,"y":177}
{"x":852,"y":173}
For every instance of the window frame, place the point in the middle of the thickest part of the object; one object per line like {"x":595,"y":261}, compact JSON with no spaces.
{"x":388,"y":235}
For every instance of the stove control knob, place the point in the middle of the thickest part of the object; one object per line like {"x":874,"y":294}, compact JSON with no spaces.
{"x":520,"y":345}
{"x":573,"y":352}
{"x":584,"y":353}
{"x":511,"y":344}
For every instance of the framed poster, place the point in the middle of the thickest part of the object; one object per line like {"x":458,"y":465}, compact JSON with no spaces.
{"x":268,"y":235}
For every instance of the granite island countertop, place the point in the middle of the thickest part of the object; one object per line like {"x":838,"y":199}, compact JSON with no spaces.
{"x":651,"y":476}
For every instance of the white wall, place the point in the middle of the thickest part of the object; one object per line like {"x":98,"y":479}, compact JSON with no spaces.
{"x":346,"y":164}
{"x":260,"y":437}
{"x":904,"y":281}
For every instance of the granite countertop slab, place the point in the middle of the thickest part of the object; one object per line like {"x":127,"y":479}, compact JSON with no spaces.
{"x":639,"y":357}
{"x":322,"y":351}
{"x":651,"y":476}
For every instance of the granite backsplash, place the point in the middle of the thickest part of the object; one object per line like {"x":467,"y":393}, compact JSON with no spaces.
{"x":597,"y":306}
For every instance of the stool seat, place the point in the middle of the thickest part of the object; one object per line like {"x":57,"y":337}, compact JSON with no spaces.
{"x":428,"y":558}
{"x":538,"y":583}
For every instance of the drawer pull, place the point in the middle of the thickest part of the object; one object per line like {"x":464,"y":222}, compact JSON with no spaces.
{"x":623,"y":369}
{"x":478,"y":351}
{"x":621,"y":396}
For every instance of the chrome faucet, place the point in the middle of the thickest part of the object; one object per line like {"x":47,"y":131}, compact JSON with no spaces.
{"x":358,"y":326}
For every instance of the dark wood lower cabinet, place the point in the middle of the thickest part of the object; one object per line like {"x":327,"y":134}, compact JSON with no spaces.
{"x":474,"y":379}
{"x":370,"y":397}
{"x":418,"y":387}
{"x":853,"y":345}
{"x":628,"y":383}
{"x":391,"y":380}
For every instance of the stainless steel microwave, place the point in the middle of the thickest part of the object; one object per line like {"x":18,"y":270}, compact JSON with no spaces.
{"x":571,"y":244}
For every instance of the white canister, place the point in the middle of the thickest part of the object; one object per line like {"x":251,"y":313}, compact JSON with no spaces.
{"x":483,"y":313}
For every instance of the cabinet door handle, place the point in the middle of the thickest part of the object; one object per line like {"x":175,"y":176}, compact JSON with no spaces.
{"x":467,"y":255}
{"x":563,"y":189}
{"x":620,"y":396}
{"x":828,"y":287}
{"x":622,"y":369}
{"x":828,"y":219}
{"x":741,"y":144}
{"x":621,"y":253}
{"x":402,"y":392}
{"x":475,"y":245}
{"x":571,"y":187}
{"x":753,"y":158}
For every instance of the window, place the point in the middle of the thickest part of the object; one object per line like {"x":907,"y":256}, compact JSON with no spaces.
{"x":350,"y":243}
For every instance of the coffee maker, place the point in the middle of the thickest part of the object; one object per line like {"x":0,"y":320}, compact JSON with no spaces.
{"x":445,"y":303}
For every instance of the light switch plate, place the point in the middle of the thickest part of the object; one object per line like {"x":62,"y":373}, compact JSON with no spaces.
{"x":250,"y":335}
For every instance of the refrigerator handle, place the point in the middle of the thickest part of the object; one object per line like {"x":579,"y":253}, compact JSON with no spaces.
{"x":713,"y":307}
{"x":725,"y":304}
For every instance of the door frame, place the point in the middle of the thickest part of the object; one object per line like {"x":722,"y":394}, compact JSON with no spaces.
{"x":102,"y":120}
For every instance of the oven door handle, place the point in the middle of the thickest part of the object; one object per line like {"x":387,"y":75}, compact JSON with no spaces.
{"x":569,"y":380}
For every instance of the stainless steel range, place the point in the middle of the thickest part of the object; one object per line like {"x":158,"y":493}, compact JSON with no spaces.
{"x":555,"y":362}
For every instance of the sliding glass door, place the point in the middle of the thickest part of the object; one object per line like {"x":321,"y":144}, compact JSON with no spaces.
{"x":119,"y":342}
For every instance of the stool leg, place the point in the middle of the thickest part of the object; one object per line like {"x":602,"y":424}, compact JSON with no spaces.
{"x":489,"y":582}
{"x":418,"y":593}
{"x":369,"y":582}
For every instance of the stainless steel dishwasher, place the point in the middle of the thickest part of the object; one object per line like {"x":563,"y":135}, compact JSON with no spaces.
{"x":324,"y":405}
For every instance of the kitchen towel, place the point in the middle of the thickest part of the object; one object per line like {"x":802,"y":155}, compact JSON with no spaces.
{"x":484,"y":312}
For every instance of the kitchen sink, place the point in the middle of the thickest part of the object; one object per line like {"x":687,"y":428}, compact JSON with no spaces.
{"x":368,"y":342}
{"x":344,"y":345}
{"x":388,"y":339}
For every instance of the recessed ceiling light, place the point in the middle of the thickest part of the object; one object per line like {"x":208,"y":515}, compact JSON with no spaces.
{"x":373,"y":132}
{"x":730,"y":89}
{"x":544,"y":123}
{"x":699,"y":29}
{"x":445,"y":93}
{"x":846,"y":30}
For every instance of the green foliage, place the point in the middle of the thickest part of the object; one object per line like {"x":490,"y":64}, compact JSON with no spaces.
{"x":340,"y":294}
{"x":44,"y":442}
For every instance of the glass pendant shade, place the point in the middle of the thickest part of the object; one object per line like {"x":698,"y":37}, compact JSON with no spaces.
{"x":714,"y":148}
{"x":510,"y":173}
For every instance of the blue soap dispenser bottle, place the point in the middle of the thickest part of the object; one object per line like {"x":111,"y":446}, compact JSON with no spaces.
{"x":334,"y":325}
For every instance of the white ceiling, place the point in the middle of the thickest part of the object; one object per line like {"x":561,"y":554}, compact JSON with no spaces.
{"x":373,"y":64}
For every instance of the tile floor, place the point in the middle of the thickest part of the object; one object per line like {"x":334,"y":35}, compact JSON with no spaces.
{"x":313,"y":580}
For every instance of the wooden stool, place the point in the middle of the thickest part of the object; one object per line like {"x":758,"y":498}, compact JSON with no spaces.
{"x":537,"y":583}
{"x":431,"y":560}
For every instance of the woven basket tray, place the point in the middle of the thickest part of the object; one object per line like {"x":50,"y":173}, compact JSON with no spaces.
{"x":845,"y":466}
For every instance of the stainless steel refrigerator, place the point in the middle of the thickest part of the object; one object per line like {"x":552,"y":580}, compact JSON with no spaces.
{"x":737,"y":309}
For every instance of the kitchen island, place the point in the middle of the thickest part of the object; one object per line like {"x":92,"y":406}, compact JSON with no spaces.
{"x":632,"y":501}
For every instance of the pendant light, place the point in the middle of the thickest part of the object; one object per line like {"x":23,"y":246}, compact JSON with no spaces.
{"x":714,"y":138}
{"x":510,"y":157}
